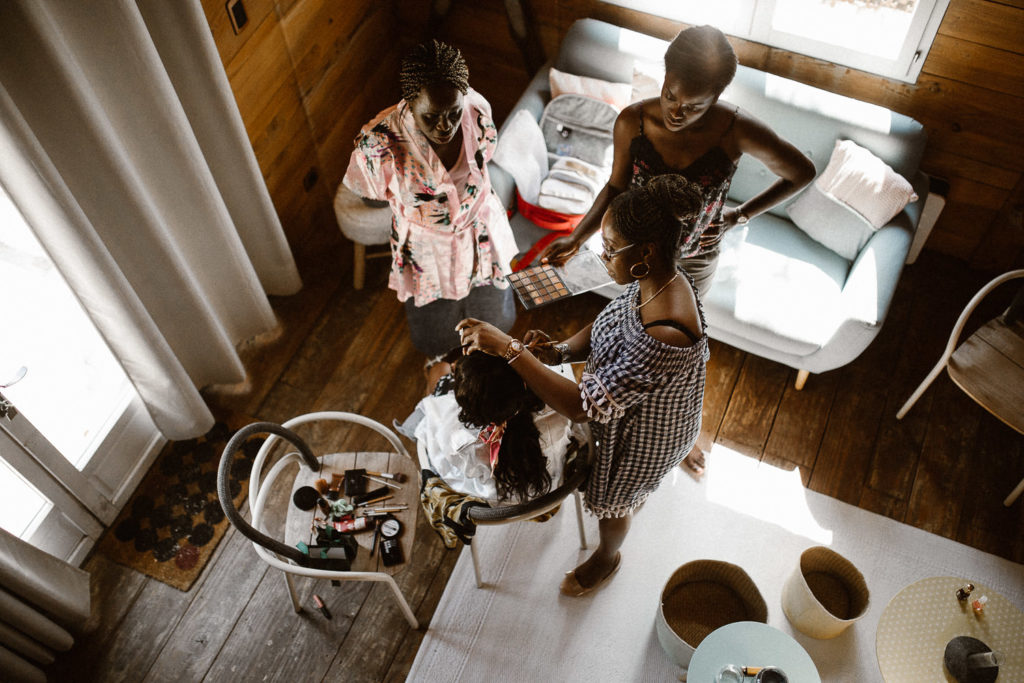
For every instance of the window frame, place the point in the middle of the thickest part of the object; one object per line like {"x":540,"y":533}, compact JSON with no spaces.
{"x":753,"y":21}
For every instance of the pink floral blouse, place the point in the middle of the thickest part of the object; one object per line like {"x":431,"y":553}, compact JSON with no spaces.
{"x":450,"y":233}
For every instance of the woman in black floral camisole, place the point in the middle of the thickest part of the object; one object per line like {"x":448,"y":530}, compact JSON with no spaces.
{"x":689,"y":132}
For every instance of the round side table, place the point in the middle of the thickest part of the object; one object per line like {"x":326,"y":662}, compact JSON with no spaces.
{"x":751,"y":643}
{"x":918,"y":622}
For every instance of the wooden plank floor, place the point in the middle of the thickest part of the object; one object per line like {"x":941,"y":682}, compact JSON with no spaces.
{"x":945,"y":468}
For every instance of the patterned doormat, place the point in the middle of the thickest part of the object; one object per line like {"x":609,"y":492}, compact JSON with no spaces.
{"x":173,"y":522}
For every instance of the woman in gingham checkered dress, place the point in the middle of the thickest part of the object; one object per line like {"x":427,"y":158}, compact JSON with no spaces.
{"x":643,"y":385}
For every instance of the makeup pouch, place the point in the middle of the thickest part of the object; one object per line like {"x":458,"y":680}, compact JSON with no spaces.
{"x":580,"y":127}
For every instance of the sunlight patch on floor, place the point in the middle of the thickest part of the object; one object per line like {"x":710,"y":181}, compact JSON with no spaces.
{"x":768,"y":493}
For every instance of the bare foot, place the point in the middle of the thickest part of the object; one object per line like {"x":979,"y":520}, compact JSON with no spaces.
{"x":694,"y":463}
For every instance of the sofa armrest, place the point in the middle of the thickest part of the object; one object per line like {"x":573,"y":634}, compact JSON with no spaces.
{"x":920,"y":183}
{"x":871,"y":283}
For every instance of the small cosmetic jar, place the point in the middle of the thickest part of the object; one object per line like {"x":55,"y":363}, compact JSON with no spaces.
{"x":730,"y":673}
{"x":771,"y":674}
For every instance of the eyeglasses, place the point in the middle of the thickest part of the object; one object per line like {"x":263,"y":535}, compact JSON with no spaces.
{"x":609,"y":255}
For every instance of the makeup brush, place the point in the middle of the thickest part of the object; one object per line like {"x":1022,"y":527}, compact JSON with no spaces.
{"x":397,"y":476}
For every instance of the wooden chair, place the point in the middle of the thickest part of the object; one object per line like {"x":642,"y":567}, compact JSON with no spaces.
{"x":989,"y":366}
{"x":366,"y":226}
{"x":575,"y":475}
{"x":285,"y":555}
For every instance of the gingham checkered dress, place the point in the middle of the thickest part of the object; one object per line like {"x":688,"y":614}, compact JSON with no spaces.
{"x":644,"y":398}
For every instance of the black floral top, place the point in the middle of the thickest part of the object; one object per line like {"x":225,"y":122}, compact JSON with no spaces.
{"x":712,"y":171}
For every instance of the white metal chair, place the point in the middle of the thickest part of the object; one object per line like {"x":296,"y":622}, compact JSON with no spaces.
{"x":284,"y":556}
{"x":989,"y":365}
{"x":575,"y":475}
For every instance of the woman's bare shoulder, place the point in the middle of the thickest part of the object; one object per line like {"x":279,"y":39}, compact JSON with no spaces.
{"x":682,"y":310}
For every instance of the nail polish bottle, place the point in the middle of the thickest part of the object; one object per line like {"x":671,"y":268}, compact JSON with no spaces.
{"x":979,"y":605}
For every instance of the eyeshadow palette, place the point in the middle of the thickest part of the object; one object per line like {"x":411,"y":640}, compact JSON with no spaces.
{"x":542,"y":284}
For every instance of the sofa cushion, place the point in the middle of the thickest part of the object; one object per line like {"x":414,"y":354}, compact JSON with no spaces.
{"x":777,"y":287}
{"x":615,"y":94}
{"x":830,"y":222}
{"x":813,"y":119}
{"x":865,"y":183}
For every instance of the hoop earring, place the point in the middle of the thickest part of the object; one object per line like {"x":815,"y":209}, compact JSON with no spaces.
{"x":640,"y":276}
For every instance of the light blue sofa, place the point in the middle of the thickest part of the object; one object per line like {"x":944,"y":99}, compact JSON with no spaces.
{"x":778,"y":293}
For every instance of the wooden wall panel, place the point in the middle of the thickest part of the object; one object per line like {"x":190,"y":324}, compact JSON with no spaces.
{"x":319,"y":33}
{"x":338,"y":100}
{"x":267,"y":95}
{"x":352,"y":108}
{"x":260,"y":68}
{"x":962,"y":60}
{"x":984,"y":22}
{"x":229,"y":43}
{"x":305,"y":73}
{"x":970,"y":97}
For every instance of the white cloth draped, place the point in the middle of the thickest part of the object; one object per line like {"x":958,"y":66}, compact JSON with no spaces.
{"x":122,"y":146}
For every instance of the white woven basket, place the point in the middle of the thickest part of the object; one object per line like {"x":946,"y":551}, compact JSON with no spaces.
{"x":824,"y":594}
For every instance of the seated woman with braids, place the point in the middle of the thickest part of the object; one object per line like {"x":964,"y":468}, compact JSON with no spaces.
{"x":487,"y":435}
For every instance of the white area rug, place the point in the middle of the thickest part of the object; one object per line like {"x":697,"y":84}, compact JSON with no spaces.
{"x":519,"y":628}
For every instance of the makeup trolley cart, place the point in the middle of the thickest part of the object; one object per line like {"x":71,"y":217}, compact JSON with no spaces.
{"x":286,"y":556}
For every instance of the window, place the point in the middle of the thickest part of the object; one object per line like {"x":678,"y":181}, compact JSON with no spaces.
{"x":886,"y":37}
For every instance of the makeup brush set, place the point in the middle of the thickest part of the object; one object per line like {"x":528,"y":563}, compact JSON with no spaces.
{"x":349,"y":506}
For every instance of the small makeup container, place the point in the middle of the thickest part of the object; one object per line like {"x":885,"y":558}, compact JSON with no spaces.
{"x":730,"y":673}
{"x":306,"y":498}
{"x":771,"y":674}
{"x":964,"y":591}
{"x":351,"y":524}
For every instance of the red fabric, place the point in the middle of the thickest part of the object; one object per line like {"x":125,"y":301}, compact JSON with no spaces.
{"x":558,"y":223}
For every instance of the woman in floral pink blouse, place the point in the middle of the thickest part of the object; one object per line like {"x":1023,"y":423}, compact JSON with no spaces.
{"x":426,"y":156}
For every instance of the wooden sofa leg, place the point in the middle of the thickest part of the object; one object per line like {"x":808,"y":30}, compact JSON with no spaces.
{"x":801,"y":377}
{"x":358,"y":265}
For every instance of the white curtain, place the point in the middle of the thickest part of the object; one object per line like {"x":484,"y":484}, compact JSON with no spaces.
{"x":121,"y":144}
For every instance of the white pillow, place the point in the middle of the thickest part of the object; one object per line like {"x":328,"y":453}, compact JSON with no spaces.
{"x":648,"y":78}
{"x":828,"y":221}
{"x":854,"y":196}
{"x":615,"y":94}
{"x":865,"y":183}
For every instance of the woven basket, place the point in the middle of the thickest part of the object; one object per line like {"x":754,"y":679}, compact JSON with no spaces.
{"x":824,"y":594}
{"x":700,"y":597}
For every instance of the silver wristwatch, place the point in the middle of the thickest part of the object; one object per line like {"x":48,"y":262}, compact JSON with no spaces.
{"x":563,"y":352}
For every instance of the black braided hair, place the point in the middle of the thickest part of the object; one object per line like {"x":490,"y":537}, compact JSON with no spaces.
{"x":431,"y":63}
{"x":488,"y":390}
{"x":658,"y":212}
{"x":703,"y":58}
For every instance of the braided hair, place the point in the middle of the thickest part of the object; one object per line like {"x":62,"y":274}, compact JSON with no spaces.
{"x":703,"y":58}
{"x":431,"y":63}
{"x":489,"y":391}
{"x":658,"y":212}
